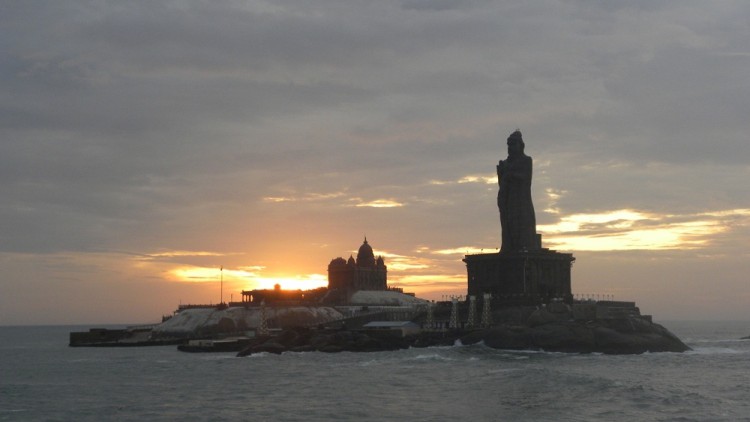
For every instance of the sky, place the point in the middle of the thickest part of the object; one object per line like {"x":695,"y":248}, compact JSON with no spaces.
{"x":151,"y":152}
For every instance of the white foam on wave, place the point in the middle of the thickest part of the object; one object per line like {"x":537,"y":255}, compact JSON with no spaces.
{"x":501,"y":371}
{"x":434,"y":347}
{"x":432,"y":356}
{"x":727,"y":340}
{"x":88,"y":360}
{"x":535,"y":352}
{"x":370,"y":362}
{"x":257,"y":355}
{"x":715,"y":351}
{"x":220,"y":356}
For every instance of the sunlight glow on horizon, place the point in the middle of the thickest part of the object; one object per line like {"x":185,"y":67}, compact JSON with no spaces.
{"x":300,"y":282}
{"x":249,"y":279}
{"x":616,"y":230}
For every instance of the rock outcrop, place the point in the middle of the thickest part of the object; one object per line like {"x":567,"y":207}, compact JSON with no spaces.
{"x":306,"y":340}
{"x":212,"y":322}
{"x":613,"y":336}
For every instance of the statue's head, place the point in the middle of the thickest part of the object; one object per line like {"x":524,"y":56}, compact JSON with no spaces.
{"x":515,"y":143}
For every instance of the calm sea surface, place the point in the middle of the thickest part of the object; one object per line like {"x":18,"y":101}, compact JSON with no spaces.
{"x":43,"y":379}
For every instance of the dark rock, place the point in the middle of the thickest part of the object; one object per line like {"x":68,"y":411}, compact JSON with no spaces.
{"x":427,"y":339}
{"x":331,"y":348}
{"x":319,"y":341}
{"x":511,"y":338}
{"x":611,"y":336}
{"x":226,"y":325}
{"x":621,"y":336}
{"x":563,"y":337}
{"x":252,"y":345}
{"x":472,"y":337}
{"x":541,"y":317}
{"x":270,"y":347}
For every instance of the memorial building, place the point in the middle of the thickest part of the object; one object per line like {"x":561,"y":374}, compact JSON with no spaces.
{"x":363,"y":273}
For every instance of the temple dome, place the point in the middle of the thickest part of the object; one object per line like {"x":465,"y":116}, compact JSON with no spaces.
{"x":365,"y":255}
{"x":380,"y":262}
{"x":337,"y":262}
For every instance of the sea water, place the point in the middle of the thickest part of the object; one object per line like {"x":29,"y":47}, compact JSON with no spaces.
{"x":41,"y":378}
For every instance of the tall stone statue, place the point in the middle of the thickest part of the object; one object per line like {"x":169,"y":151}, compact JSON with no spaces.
{"x":523,"y":271}
{"x":517,"y":218}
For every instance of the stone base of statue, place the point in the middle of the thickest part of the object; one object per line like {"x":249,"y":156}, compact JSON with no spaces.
{"x":524,"y":277}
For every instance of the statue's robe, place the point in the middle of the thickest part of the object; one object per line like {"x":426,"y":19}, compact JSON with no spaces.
{"x":517,"y":218}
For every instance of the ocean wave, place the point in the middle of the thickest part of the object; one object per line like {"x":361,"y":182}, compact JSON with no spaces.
{"x":432,"y":357}
{"x":727,"y":340}
{"x":715,"y":351}
{"x":215,"y":356}
{"x":257,"y":355}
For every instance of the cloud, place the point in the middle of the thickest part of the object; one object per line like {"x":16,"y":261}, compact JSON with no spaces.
{"x":305,"y":197}
{"x":634,"y":230}
{"x":489,"y":180}
{"x":173,"y":254}
{"x":463,"y":250}
{"x":380,"y":203}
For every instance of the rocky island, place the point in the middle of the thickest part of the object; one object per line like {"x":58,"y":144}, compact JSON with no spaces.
{"x":525,"y":290}
{"x":551,"y":328}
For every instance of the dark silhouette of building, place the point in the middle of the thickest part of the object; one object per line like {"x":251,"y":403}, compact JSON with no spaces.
{"x":365,"y":273}
{"x":277,"y":296}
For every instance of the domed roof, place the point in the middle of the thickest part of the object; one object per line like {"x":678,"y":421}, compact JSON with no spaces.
{"x":337,"y":262}
{"x":365,"y":256}
{"x":380,"y":262}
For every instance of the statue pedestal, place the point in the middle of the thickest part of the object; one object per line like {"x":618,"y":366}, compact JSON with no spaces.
{"x":520,"y":277}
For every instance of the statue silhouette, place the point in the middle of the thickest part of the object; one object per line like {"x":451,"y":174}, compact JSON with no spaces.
{"x":517,"y":218}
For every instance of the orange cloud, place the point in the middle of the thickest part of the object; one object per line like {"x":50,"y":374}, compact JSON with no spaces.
{"x":636,"y":230}
{"x":380,"y":203}
{"x":471,"y":178}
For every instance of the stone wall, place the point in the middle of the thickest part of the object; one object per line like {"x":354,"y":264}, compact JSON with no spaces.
{"x":532,"y":276}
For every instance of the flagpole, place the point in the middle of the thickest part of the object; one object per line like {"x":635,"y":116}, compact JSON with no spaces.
{"x":221,"y":298}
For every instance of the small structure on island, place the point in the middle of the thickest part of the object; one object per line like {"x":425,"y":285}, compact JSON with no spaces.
{"x":523,"y":272}
{"x":279,"y":296}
